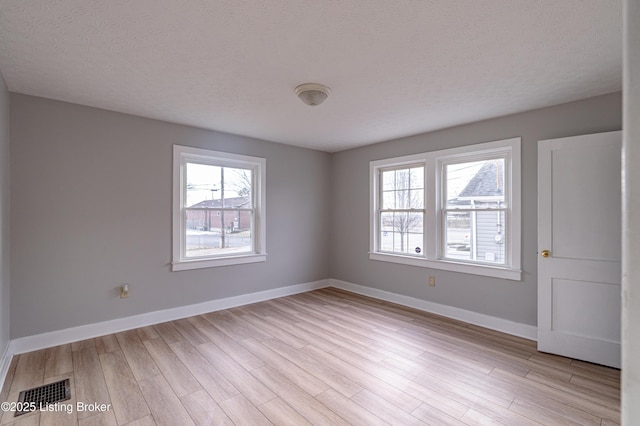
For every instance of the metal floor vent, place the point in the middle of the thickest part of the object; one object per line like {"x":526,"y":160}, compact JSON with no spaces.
{"x":33,"y":399}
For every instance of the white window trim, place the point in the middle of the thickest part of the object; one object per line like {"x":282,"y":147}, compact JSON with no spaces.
{"x":433,"y":162}
{"x":184,"y":154}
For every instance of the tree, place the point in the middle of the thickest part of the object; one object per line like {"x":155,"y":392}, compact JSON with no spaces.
{"x":241,"y":182}
{"x":406,"y":198}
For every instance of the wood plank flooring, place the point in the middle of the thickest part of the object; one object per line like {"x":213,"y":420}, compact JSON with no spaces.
{"x":325,"y":357}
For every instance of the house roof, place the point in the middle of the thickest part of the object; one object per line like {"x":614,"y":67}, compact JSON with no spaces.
{"x":487,"y":182}
{"x":229,"y":203}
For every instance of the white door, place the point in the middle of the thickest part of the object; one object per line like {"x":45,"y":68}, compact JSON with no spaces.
{"x":579,"y":247}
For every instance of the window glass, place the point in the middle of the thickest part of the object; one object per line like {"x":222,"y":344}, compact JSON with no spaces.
{"x":402,"y":210}
{"x":474,"y":217}
{"x":217,"y":208}
{"x":475,"y":181}
{"x":456,"y":209}
{"x":402,"y":232}
{"x":218,"y":214}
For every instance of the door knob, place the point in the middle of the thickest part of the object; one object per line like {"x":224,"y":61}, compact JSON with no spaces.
{"x":545,"y":253}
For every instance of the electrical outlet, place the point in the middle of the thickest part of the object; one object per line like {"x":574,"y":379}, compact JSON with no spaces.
{"x":124,"y":291}
{"x":432,"y":281}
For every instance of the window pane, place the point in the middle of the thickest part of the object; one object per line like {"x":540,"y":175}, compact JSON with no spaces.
{"x":458,"y":235}
{"x":237,"y":187}
{"x":475,"y":184}
{"x":403,"y":179}
{"x":401,"y":232}
{"x":476,"y":236}
{"x":416,"y":199}
{"x":417,"y":177}
{"x":203,"y":182}
{"x":215,"y":187}
{"x":388,"y":180}
{"x":403,"y":188}
{"x":389,"y":200}
{"x":214,"y":232}
{"x":403,"y":199}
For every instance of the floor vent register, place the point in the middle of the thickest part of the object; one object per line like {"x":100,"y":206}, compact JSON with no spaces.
{"x":42,"y":396}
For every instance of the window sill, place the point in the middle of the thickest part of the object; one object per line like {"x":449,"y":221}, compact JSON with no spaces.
{"x":466,"y":268}
{"x":185,"y":265}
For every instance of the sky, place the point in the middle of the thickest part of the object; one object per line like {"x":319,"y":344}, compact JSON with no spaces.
{"x":204,"y":182}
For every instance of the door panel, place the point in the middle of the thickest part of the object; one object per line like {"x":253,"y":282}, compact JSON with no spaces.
{"x":582,"y":198}
{"x":579,"y":223}
{"x":596,"y":301}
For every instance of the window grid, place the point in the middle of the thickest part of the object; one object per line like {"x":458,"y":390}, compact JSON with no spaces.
{"x":218,"y":209}
{"x":498,"y":215}
{"x":405,"y":228}
{"x":484,"y":243}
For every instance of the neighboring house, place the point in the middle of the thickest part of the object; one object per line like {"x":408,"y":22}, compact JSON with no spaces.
{"x":486,"y":228}
{"x":209,"y":220}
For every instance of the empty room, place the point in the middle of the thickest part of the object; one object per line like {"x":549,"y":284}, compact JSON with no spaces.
{"x":328,"y":213}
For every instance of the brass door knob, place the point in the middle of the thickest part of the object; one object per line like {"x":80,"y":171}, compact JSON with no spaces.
{"x":545,"y":253}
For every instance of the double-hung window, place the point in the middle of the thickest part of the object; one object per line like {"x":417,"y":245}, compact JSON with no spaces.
{"x":218,"y":208}
{"x":475,"y":209}
{"x":456,"y":209}
{"x":401,"y":211}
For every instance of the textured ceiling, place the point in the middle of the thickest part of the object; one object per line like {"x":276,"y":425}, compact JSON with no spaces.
{"x":396,"y":68}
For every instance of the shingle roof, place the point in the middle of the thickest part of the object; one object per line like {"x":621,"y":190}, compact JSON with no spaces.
{"x":487,"y":182}
{"x":229,"y":203}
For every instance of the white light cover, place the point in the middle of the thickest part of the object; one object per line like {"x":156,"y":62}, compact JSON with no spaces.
{"x":312,"y":93}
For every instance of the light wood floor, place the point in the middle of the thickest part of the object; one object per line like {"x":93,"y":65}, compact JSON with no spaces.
{"x":325,"y":357}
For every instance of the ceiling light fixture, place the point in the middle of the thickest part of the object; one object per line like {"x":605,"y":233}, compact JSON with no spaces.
{"x":312,"y":93}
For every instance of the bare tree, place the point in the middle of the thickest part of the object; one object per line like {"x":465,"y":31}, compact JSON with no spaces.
{"x":406,"y":199}
{"x":241,"y":182}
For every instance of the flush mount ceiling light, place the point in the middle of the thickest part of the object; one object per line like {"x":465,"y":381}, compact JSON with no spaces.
{"x":312,"y":93}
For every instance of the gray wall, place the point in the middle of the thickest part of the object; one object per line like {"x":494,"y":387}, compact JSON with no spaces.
{"x":91,"y":210}
{"x":511,"y":300}
{"x":4,"y":217}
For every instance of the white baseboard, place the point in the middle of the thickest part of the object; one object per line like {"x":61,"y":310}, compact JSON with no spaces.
{"x":493,"y":323}
{"x":5,"y":363}
{"x":74,"y":334}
